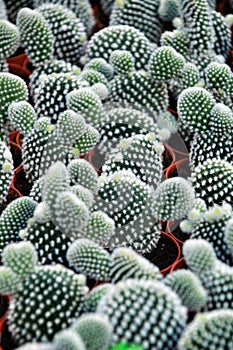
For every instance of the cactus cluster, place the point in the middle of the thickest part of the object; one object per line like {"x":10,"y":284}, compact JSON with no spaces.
{"x":93,"y":132}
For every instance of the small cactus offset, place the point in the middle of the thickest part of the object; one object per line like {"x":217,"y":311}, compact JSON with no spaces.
{"x":95,"y":330}
{"x":22,"y":115}
{"x":6,"y":170}
{"x":172,"y":199}
{"x":67,"y":339}
{"x":20,"y":257}
{"x":89,"y":258}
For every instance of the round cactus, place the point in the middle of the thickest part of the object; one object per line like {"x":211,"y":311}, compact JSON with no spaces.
{"x":54,"y":66}
{"x":70,"y":214}
{"x":120,"y":123}
{"x":84,"y":144}
{"x":199,"y":256}
{"x":126,"y":264}
{"x":126,"y":13}
{"x":141,"y":312}
{"x":221,"y":119}
{"x":89,"y":258}
{"x":86,"y":102}
{"x":175,"y":39}
{"x":82,"y":173}
{"x":9,"y":38}
{"x":71,"y":126}
{"x":83,"y":194}
{"x":68,"y":340}
{"x":9,"y":281}
{"x":173,"y":199}
{"x":92,"y":76}
{"x":99,"y":227}
{"x":12,"y":89}
{"x":82,"y":10}
{"x":194,"y":108}
{"x":68,"y":32}
{"x":122,"y":61}
{"x":165,"y":63}
{"x":212,"y":227}
{"x":43,"y":141}
{"x":128,"y":201}
{"x":96,"y":295}
{"x":22,"y":115}
{"x":139,"y":91}
{"x":20,"y":257}
{"x":188,"y":287}
{"x":210,"y":145}
{"x":209,"y":330}
{"x":35,"y":35}
{"x":14,"y":218}
{"x":95,"y":330}
{"x":52,"y":296}
{"x":55,"y":181}
{"x":212,"y":181}
{"x":100,"y":65}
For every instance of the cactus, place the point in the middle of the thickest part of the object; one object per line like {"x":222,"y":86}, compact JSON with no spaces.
{"x":50,"y":243}
{"x":172,"y":199}
{"x":35,"y":35}
{"x":211,"y":226}
{"x":141,"y":312}
{"x":194,"y":108}
{"x":9,"y":38}
{"x":95,"y":330}
{"x":82,"y":10}
{"x":68,"y":340}
{"x":81,"y":172}
{"x":120,"y":37}
{"x":12,"y":89}
{"x":126,"y":13}
{"x":141,"y":154}
{"x":67,"y":30}
{"x":89,"y":258}
{"x":126,"y":264}
{"x":22,"y":115}
{"x":122,"y":61}
{"x":212,"y":181}
{"x":120,"y":123}
{"x":14,"y":218}
{"x":53,"y":295}
{"x":6,"y":170}
{"x":165,"y":63}
{"x":86,"y":102}
{"x":209,"y":330}
{"x":20,"y":257}
{"x":50,"y":97}
{"x":188,"y":287}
